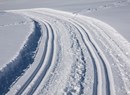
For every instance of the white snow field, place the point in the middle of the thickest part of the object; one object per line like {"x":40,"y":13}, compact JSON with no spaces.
{"x":65,"y":47}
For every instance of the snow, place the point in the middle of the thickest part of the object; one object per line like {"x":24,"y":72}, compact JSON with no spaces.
{"x":117,"y":18}
{"x":14,"y":30}
{"x":84,"y":48}
{"x":114,"y":12}
{"x":24,"y":58}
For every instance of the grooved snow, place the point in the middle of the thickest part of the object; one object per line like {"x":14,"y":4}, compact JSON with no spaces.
{"x":90,"y":42}
{"x":61,"y":52}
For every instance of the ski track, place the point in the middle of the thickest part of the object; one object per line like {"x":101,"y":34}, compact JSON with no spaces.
{"x":104,"y":68}
{"x":43,"y":66}
{"x":37,"y":69}
{"x":23,"y":60}
{"x":106,"y":74}
{"x":81,"y":30}
{"x":82,"y":57}
{"x":47,"y":62}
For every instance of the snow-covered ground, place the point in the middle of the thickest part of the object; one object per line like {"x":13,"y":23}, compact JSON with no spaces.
{"x":14,"y":29}
{"x":83,"y":49}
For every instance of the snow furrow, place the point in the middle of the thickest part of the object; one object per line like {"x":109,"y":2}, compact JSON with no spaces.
{"x":96,"y":65}
{"x":79,"y":69}
{"x":80,"y":88}
{"x":100,"y":63}
{"x":108,"y":72}
{"x":13,"y":71}
{"x":83,"y":49}
{"x":97,"y":88}
{"x":104,"y":68}
{"x":114,"y":51}
{"x":76,"y":81}
{"x":36,"y":78}
{"x":47,"y":61}
{"x":37,"y":69}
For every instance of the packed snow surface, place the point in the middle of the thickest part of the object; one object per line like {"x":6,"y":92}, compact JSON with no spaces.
{"x":46,"y":51}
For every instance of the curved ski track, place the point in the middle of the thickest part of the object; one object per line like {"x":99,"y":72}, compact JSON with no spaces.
{"x":82,"y":40}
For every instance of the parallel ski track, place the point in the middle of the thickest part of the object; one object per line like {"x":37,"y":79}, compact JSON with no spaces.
{"x":107,"y":37}
{"x":108,"y":73}
{"x":97,"y":72}
{"x":45,"y":60}
{"x":99,"y":57}
{"x":97,"y":60}
{"x":94,"y":61}
{"x":97,"y":86}
{"x":37,"y":68}
{"x":102,"y":70}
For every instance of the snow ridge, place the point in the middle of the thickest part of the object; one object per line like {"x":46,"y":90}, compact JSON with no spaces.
{"x":12,"y":71}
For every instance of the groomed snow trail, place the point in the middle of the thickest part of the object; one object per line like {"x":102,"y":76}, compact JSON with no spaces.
{"x":81,"y":56}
